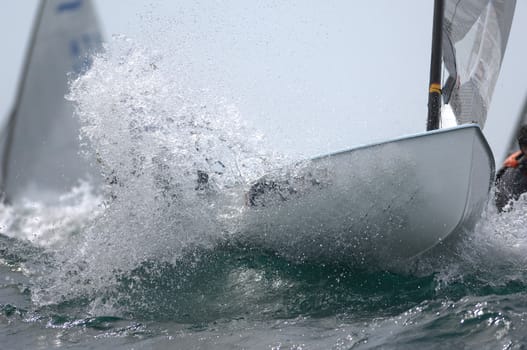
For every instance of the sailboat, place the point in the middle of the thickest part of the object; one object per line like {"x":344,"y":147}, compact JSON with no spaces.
{"x":39,"y":145}
{"x":393,"y":200}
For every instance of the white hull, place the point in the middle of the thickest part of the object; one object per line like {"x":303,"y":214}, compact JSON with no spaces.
{"x":379,"y":203}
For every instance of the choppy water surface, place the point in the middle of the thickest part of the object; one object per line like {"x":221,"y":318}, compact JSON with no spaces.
{"x":151,"y":259}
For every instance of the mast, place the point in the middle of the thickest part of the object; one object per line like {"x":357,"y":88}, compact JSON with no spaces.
{"x":434,"y":91}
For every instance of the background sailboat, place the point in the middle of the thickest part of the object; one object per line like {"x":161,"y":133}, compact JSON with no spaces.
{"x":40,"y":142}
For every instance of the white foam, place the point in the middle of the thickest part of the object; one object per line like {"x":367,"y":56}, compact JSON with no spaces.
{"x":51,"y":225}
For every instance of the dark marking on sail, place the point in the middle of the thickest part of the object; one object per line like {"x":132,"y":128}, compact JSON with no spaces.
{"x":69,"y":6}
{"x":82,"y":50}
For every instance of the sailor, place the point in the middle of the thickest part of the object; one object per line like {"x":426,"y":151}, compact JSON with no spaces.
{"x":511,"y":179}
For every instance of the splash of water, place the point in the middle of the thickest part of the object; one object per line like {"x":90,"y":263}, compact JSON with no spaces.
{"x":499,"y":244}
{"x":491,"y":258}
{"x":175,"y":159}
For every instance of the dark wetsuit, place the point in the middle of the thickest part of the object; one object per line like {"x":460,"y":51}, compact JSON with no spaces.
{"x":511,"y":180}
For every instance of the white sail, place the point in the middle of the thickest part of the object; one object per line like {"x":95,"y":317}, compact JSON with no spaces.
{"x":40,"y":143}
{"x":475,"y":35}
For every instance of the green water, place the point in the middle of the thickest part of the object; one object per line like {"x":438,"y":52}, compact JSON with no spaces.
{"x":235,"y":296}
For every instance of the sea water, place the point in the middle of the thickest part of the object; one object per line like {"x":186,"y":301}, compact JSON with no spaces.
{"x":149,"y":258}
